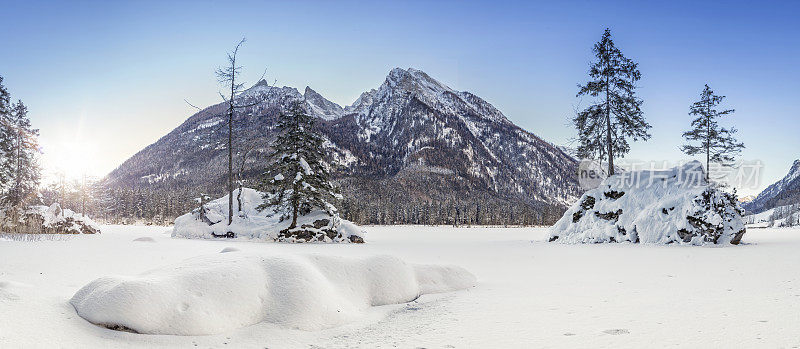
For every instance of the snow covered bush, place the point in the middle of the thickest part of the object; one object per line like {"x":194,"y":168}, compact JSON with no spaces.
{"x":252,"y":223}
{"x":660,"y":207}
{"x":47,"y":220}
{"x":225,"y":291}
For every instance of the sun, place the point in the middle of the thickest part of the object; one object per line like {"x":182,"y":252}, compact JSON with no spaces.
{"x":70,"y":159}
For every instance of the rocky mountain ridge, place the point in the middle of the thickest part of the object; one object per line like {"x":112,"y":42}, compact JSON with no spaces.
{"x":443,"y":155}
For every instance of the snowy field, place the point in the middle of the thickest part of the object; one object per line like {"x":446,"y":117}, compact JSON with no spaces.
{"x":529,"y":293}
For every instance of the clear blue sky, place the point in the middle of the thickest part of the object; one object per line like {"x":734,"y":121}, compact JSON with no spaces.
{"x":105,"y":79}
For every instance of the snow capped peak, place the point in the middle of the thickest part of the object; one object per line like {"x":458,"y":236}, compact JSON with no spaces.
{"x":795,"y":167}
{"x":413,"y":80}
{"x":310,"y":92}
{"x":261,"y":82}
{"x":780,"y":189}
{"x":264,"y":90}
{"x":364,"y":100}
{"x":321,"y":107}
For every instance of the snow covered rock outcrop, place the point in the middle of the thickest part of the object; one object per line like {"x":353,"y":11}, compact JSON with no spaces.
{"x":225,"y":291}
{"x":50,"y":220}
{"x":660,"y":207}
{"x":250,"y":223}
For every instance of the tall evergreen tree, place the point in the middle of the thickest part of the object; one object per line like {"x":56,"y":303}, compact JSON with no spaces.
{"x":707,"y":136}
{"x":616,"y":115}
{"x":296,"y":180}
{"x":6,"y":139}
{"x":23,"y":156}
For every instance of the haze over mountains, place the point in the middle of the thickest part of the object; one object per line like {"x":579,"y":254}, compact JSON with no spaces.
{"x":411,"y":151}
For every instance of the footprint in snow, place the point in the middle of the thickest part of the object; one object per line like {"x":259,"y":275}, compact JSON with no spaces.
{"x":616,"y":331}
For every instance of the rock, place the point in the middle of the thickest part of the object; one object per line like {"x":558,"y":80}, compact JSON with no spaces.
{"x":321,"y":230}
{"x":614,"y":194}
{"x":319,"y":223}
{"x":609,"y":216}
{"x":663,"y":207}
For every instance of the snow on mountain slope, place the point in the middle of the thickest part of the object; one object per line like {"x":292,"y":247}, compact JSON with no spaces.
{"x":321,"y":107}
{"x":386,"y":141}
{"x":783,"y":192}
{"x":412,"y":118}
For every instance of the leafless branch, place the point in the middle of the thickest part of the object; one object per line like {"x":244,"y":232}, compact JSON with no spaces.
{"x":191,"y":105}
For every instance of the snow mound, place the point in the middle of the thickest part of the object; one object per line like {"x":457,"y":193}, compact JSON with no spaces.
{"x":660,"y":207}
{"x":229,"y":249}
{"x":10,"y":290}
{"x":225,"y":291}
{"x":250,"y":223}
{"x":144,"y":239}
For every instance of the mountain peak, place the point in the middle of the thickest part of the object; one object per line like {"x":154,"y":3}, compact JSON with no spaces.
{"x":310,"y":92}
{"x":782,"y":191}
{"x":320,"y":106}
{"x":261,"y":82}
{"x":414,"y":80}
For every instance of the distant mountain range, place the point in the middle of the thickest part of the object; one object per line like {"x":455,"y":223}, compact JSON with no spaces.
{"x":411,"y":151}
{"x":783,"y":192}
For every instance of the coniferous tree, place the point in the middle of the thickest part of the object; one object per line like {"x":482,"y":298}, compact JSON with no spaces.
{"x":707,"y":136}
{"x":6,"y":139}
{"x":24,"y":148}
{"x":296,"y":180}
{"x":605,"y":126}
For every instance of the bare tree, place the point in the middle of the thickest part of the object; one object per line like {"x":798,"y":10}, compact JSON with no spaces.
{"x":228,"y":77}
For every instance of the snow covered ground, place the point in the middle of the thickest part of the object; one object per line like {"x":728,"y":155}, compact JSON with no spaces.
{"x":529,"y":293}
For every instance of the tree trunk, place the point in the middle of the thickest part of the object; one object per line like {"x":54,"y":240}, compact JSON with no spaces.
{"x":230,"y":145}
{"x":239,"y":198}
{"x":295,"y":205}
{"x":608,"y":131}
{"x":230,"y":167}
{"x":708,"y":143}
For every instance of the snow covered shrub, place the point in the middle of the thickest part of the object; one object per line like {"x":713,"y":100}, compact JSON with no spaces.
{"x":661,"y":207}
{"x":48,"y":220}
{"x":252,"y":223}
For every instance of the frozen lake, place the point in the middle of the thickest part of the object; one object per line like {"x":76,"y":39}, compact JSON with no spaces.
{"x":530,"y":293}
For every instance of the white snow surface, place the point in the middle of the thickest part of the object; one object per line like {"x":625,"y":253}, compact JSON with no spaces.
{"x":647,"y":194}
{"x":529,"y":293}
{"x":225,"y":291}
{"x":251,"y":224}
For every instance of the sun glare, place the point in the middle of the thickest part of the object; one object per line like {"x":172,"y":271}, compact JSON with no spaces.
{"x":71,"y":159}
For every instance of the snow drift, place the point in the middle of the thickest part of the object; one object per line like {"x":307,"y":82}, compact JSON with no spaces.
{"x":250,"y":223}
{"x":225,"y":291}
{"x":659,"y":207}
